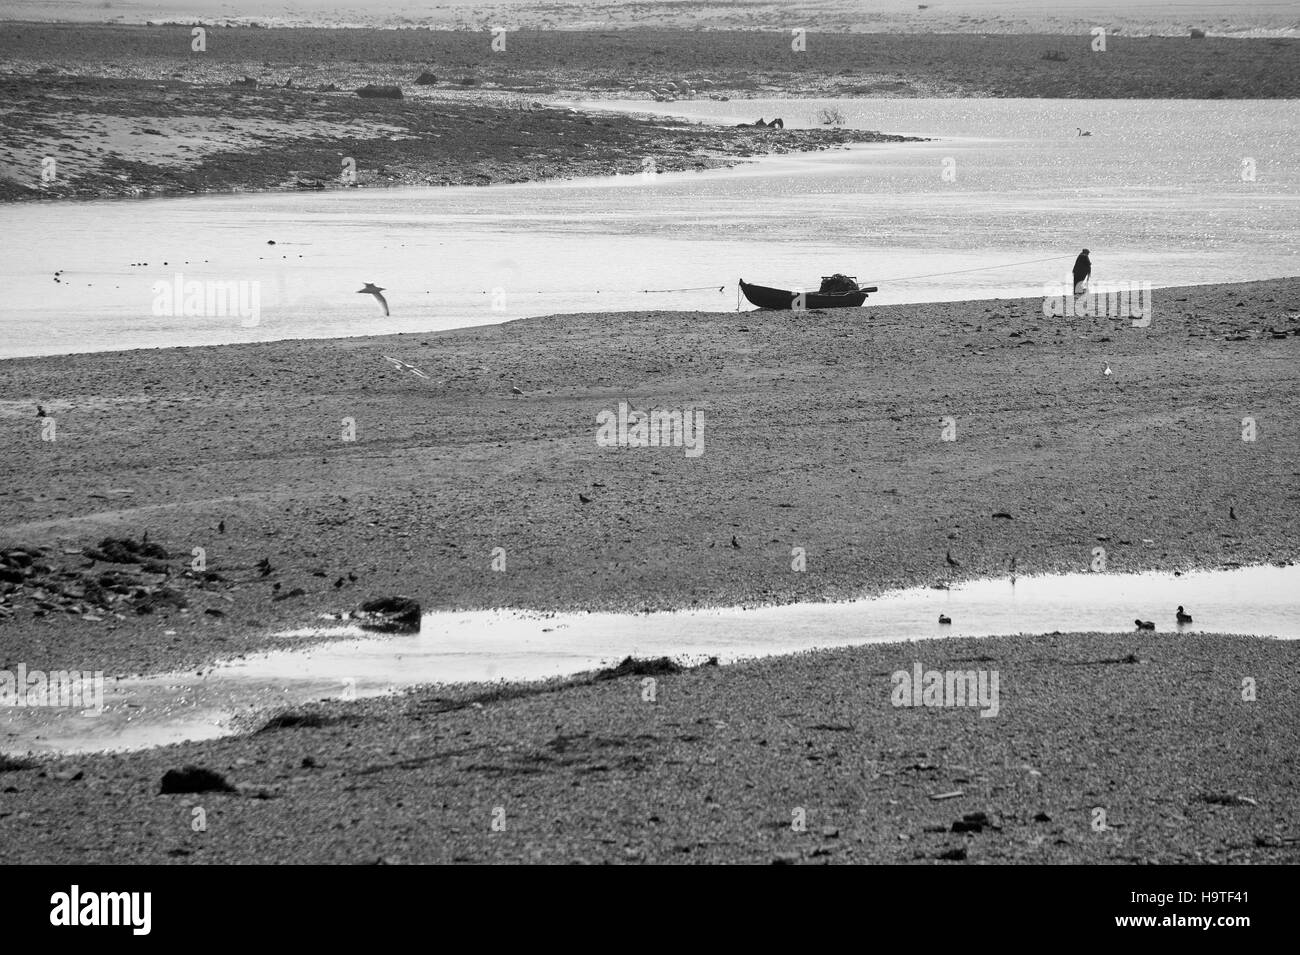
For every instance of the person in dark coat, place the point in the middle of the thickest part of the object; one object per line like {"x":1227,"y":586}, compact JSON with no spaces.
{"x":1082,"y":272}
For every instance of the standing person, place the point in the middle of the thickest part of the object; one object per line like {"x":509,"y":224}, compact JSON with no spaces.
{"x":1082,"y":272}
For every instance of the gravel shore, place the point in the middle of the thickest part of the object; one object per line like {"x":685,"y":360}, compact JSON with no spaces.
{"x":824,"y":431}
{"x":1105,"y":749}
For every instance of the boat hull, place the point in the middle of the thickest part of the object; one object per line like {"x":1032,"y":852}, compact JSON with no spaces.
{"x":780,"y":298}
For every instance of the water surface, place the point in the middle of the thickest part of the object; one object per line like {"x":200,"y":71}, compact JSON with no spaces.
{"x":1156,"y":193}
{"x":455,"y":647}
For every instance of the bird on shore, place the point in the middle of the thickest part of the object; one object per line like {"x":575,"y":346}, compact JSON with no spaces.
{"x":584,"y":499}
{"x":1232,"y":514}
{"x":943,"y":618}
{"x":735,"y":543}
{"x":1082,"y":131}
{"x":221,"y":527}
{"x":1182,"y":617}
{"x":515,"y":391}
{"x":952,"y":561}
{"x":40,"y":412}
{"x":1145,"y":624}
{"x":375,"y":290}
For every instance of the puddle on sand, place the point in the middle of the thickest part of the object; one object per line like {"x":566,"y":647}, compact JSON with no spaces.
{"x":465,"y":646}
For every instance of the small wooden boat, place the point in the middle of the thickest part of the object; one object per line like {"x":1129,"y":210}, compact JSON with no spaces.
{"x":765,"y":297}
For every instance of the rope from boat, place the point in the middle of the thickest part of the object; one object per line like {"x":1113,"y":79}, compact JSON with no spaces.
{"x":983,"y":268}
{"x":693,"y":288}
{"x":721,"y":288}
{"x":596,"y":291}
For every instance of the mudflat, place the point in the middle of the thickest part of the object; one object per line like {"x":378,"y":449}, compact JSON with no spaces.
{"x":1104,"y":749}
{"x":137,"y":111}
{"x":822,"y":431}
{"x":314,"y":475}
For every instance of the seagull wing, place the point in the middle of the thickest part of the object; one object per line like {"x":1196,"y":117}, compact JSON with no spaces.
{"x":404,"y":366}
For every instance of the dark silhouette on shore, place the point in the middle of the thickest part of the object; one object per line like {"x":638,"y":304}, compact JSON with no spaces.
{"x":1082,"y":272}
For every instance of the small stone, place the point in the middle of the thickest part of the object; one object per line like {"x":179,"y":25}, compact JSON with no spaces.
{"x":194,"y":779}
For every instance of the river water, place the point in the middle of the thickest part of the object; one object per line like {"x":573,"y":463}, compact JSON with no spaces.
{"x":1166,"y":192}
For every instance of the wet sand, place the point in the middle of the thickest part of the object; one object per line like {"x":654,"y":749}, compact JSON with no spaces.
{"x":1105,"y":749}
{"x":822,"y":431}
{"x":129,"y":111}
{"x":134,"y":138}
{"x":737,"y":62}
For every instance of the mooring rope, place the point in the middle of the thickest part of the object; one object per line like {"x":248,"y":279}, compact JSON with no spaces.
{"x":597,"y":291}
{"x":693,"y":288}
{"x":723,"y":287}
{"x":983,"y":268}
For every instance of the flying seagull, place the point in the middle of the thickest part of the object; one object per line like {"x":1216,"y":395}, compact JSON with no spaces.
{"x":372,"y":289}
{"x":403,"y":366}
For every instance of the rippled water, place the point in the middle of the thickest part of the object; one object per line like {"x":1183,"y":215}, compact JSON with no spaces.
{"x":454,"y":647}
{"x":1156,"y":193}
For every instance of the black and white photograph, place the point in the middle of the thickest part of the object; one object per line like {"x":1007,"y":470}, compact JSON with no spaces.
{"x":651,"y":432}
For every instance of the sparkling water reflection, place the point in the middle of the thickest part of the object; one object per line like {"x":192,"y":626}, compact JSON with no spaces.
{"x":1156,"y":193}
{"x":455,"y":647}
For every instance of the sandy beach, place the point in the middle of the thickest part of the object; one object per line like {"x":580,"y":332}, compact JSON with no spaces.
{"x":169,"y":509}
{"x":823,"y":430}
{"x":1105,"y":749}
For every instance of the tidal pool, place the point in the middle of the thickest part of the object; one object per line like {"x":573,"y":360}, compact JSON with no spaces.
{"x":514,"y":645}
